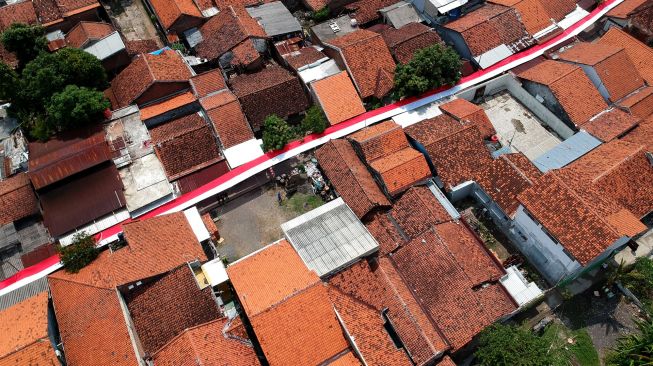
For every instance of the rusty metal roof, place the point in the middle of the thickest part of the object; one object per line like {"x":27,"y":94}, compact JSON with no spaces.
{"x":61,"y":157}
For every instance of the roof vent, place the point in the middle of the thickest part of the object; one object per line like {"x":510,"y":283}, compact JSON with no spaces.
{"x":334,"y":27}
{"x":353,"y":22}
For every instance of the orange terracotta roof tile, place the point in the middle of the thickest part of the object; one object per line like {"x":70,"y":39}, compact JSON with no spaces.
{"x":290,"y":276}
{"x":348,"y":359}
{"x":537,"y":15}
{"x":639,"y":53}
{"x":301,"y":330}
{"x":571,"y":87}
{"x":623,"y":10}
{"x":504,"y":179}
{"x":17,"y":199}
{"x":226,"y":30}
{"x":302,"y":57}
{"x":367,"y":11}
{"x":167,"y":105}
{"x":611,"y":124}
{"x":350,"y":177}
{"x":458,"y":155}
{"x":618,"y":170}
{"x":207,"y":82}
{"x":179,"y":126}
{"x":18,"y":12}
{"x":169,"y":11}
{"x":338,"y":98}
{"x":372,"y":76}
{"x":38,"y":353}
{"x":640,"y":103}
{"x":405,"y":41}
{"x":463,"y":110}
{"x":208,"y":345}
{"x":417,"y":211}
{"x":245,"y":54}
{"x":491,"y":26}
{"x":402,"y":169}
{"x":572,"y":220}
{"x":144,"y":71}
{"x":227,"y":118}
{"x":642,"y":134}
{"x":23,"y":324}
{"x":379,"y":140}
{"x":86,"y":32}
{"x":612,"y":64}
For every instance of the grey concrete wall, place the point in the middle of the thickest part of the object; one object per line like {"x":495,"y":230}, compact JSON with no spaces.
{"x":455,"y":40}
{"x":553,"y":106}
{"x":596,"y":80}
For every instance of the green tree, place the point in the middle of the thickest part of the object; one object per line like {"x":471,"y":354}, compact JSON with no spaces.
{"x":79,"y":254}
{"x":276,"y":133}
{"x":8,"y":82}
{"x":504,"y":345}
{"x":75,"y":107}
{"x":639,"y":280}
{"x":314,"y":121}
{"x":431,"y":67}
{"x":26,"y":41}
{"x":633,"y":349}
{"x":322,"y":14}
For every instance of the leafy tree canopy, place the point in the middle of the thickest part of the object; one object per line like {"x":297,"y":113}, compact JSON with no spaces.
{"x":75,"y":107}
{"x":8,"y":81}
{"x":79,"y":254}
{"x":26,"y":41}
{"x":503,"y":345}
{"x":314,"y":121}
{"x":633,"y":349}
{"x":276,"y":133}
{"x":431,"y":67}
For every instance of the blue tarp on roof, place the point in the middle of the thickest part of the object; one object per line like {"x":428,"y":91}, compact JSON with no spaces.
{"x":567,"y":151}
{"x":158,"y":52}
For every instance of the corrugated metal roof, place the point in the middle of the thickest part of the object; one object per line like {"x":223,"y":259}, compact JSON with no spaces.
{"x":96,"y":193}
{"x":23,"y":293}
{"x":63,"y":156}
{"x":329,"y":237}
{"x":107,"y":46}
{"x":567,"y":151}
{"x":275,"y":19}
{"x":401,"y":13}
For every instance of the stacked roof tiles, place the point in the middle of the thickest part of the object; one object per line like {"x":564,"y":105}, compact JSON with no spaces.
{"x":337,"y":97}
{"x":463,"y":110}
{"x":85,"y":33}
{"x":639,"y":53}
{"x":538,"y":15}
{"x":642,"y":134}
{"x":611,"y":124}
{"x":227,"y":118}
{"x":455,"y":149}
{"x":405,"y":41}
{"x":385,"y":149}
{"x":639,"y":103}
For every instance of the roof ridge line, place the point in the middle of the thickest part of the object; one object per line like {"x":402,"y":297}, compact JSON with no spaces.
{"x":288,"y":297}
{"x":519,"y":171}
{"x":77,"y":282}
{"x":626,"y":158}
{"x":16,"y":350}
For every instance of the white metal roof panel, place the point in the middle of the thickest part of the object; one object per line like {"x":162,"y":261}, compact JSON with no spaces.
{"x":567,"y":151}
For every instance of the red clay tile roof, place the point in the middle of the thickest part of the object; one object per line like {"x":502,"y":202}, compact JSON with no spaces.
{"x":91,"y":324}
{"x":226,"y":30}
{"x":365,"y":325}
{"x":301,"y":330}
{"x":169,"y":130}
{"x":491,"y":26}
{"x":373,"y":76}
{"x":19,"y":12}
{"x":272,"y":90}
{"x":457,"y":155}
{"x":612,"y":65}
{"x":378,"y":285}
{"x":53,"y":11}
{"x":350,"y":177}
{"x":639,"y":103}
{"x":642,"y":134}
{"x":85,"y":32}
{"x":443,"y":266}
{"x":39,"y":353}
{"x":379,"y":140}
{"x":167,"y":105}
{"x":405,"y":41}
{"x":146,"y":70}
{"x":290,"y":276}
{"x":245,"y":54}
{"x":446,"y":361}
{"x":305,"y":56}
{"x":228,"y":119}
{"x":338,"y":98}
{"x":386,"y":232}
{"x":65,"y":155}
{"x":611,"y":124}
{"x":572,"y":88}
{"x":24,"y":326}
{"x":463,"y":110}
{"x":17,"y":199}
{"x":206,"y":344}
{"x":639,"y":53}
{"x":163,"y":309}
{"x":138,"y":46}
{"x":366,"y":11}
{"x":187,"y":152}
{"x":402,"y":169}
{"x":537,"y":15}
{"x":417,"y":211}
{"x":505,"y":178}
{"x":208,"y":82}
{"x":624,"y":9}
{"x":573,"y":221}
{"x":169,"y":11}
{"x":618,"y":170}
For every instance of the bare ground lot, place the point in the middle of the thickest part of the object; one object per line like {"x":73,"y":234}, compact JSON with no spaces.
{"x":132,"y":19}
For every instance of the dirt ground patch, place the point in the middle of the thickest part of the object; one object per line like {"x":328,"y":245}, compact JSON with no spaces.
{"x":254,"y":220}
{"x":132,"y":19}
